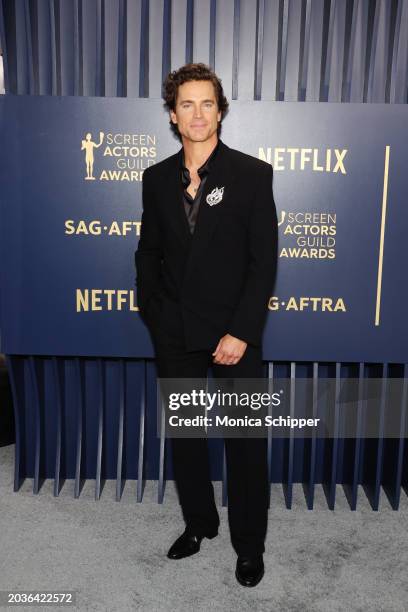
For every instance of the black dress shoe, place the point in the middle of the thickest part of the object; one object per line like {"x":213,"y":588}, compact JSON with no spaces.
{"x":250,"y":570}
{"x":186,"y":545}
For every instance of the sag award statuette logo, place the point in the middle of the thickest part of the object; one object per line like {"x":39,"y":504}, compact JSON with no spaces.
{"x":89,"y":146}
{"x":122,"y":156}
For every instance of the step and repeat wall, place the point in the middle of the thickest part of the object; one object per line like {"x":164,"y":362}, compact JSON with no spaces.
{"x":71,"y":173}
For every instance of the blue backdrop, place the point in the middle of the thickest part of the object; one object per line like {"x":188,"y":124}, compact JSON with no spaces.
{"x":68,"y":234}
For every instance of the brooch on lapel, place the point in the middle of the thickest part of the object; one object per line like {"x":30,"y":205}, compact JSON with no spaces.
{"x":215,"y":196}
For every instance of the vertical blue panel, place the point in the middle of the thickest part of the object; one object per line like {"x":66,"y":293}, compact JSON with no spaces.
{"x":69,"y":427}
{"x":166,"y":48}
{"x":38,"y":429}
{"x":303,"y":405}
{"x":357,"y":52}
{"x":156,"y":20}
{"x":303,"y":400}
{"x":402,"y":471}
{"x":395,"y":448}
{"x":201,"y":25}
{"x":381,"y":431}
{"x":141,"y":446}
{"x":111,"y":47}
{"x":335,"y":54}
{"x":29,"y":419}
{"x":247,"y":49}
{"x":346,"y":447}
{"x":3,"y":45}
{"x":134,"y":388}
{"x":151,"y":441}
{"x":355,"y":445}
{"x":235,"y":48}
{"x":224,"y":32}
{"x":189,"y":31}
{"x":279,"y":444}
{"x":289,"y":450}
{"x":22,"y":47}
{"x":293,"y":54}
{"x":66,"y":47}
{"x":313,"y":450}
{"x":402,"y":446}
{"x":58,"y":373}
{"x":15,"y":368}
{"x":270,"y":50}
{"x":80,"y":427}
{"x":53,"y":91}
{"x":91,"y":46}
{"x":369,"y":446}
{"x":50,"y":418}
{"x":121,"y":73}
{"x":78,"y":49}
{"x":137,"y":49}
{"x":10,"y":45}
{"x":112,"y":389}
{"x":92,"y":416}
{"x":314,"y":59}
{"x":328,"y":29}
{"x":304,"y":56}
{"x":374,"y":447}
{"x":178,"y":33}
{"x":309,"y":471}
{"x":100,"y":402}
{"x":377,"y":76}
{"x":399,"y":66}
{"x":283,"y":50}
{"x":330,"y":467}
{"x":30,"y":50}
{"x":213,"y":25}
{"x":121,"y":425}
{"x":270,"y":439}
{"x":259,"y":38}
{"x":324,"y":370}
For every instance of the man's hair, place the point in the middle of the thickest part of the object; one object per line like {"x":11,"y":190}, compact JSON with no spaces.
{"x":192,"y":72}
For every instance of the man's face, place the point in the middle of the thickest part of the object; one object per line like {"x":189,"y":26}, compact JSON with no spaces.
{"x":196,"y":112}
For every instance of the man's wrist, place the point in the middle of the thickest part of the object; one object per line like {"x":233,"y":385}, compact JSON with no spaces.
{"x":239,"y":337}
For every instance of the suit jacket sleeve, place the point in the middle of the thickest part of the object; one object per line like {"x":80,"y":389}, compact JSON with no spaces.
{"x":249,"y":317}
{"x":148,"y":256}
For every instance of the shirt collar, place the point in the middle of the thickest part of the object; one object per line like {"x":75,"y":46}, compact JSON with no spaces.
{"x":204,"y":168}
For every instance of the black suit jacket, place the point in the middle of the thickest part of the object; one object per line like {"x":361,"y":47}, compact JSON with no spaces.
{"x":220,"y":278}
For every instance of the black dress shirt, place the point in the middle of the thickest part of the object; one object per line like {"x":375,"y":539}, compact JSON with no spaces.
{"x":192,"y":205}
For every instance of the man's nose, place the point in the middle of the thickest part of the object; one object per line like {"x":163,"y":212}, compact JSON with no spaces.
{"x":197,"y":112}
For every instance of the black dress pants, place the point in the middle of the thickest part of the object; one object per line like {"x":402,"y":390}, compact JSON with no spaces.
{"x":246,"y":458}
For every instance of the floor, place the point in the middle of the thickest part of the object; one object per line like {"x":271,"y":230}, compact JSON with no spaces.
{"x":113,"y":555}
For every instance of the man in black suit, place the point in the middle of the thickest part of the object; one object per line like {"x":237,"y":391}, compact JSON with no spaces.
{"x":206,"y":264}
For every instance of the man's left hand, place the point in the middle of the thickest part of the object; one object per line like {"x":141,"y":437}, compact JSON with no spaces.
{"x":229,"y":350}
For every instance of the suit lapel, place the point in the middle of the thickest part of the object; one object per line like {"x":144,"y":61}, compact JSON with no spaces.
{"x":221,"y":175}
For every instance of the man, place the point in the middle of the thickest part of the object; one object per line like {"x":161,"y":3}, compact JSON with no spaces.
{"x":206,"y":264}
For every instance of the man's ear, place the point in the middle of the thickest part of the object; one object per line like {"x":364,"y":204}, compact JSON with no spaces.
{"x":173,"y":117}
